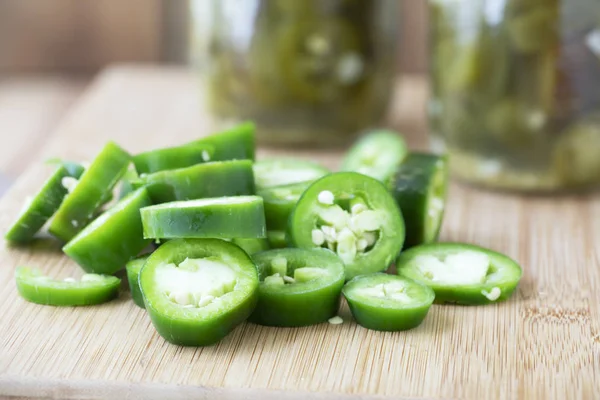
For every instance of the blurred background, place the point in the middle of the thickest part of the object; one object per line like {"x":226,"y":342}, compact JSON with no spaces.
{"x":51,"y":50}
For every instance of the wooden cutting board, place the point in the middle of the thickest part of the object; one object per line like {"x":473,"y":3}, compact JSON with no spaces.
{"x":544,"y":343}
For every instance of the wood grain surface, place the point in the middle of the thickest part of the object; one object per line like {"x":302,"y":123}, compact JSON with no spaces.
{"x":542,"y":344}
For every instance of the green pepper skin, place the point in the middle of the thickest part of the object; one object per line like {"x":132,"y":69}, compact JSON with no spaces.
{"x":96,"y":182}
{"x":419,"y":187}
{"x":377,"y":154}
{"x":252,"y":246}
{"x":237,"y":143}
{"x":344,"y":185}
{"x":214,"y":179}
{"x":208,"y":325}
{"x":40,"y":209}
{"x":37,"y":288}
{"x":504,"y":274}
{"x":277,"y":239}
{"x":280,"y":202}
{"x":299,"y":303}
{"x":133,"y":269}
{"x":384,"y":314}
{"x":285,"y":171}
{"x":172,"y":158}
{"x":114,"y":238}
{"x":224,"y":217}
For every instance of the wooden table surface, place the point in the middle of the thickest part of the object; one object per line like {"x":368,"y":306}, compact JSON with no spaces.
{"x":544,"y":343}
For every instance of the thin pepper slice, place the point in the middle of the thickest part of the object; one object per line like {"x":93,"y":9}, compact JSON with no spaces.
{"x":133,"y":269}
{"x":387,"y":302}
{"x":90,"y":192}
{"x":172,"y":158}
{"x":213,"y":179}
{"x":377,"y":154}
{"x":461,"y":273}
{"x":280,"y":202}
{"x":298,"y":287}
{"x":114,"y":238}
{"x":285,"y":171}
{"x":38,"y":210}
{"x":197,"y":291}
{"x":236,"y":143}
{"x":353,"y":215}
{"x":91,"y":289}
{"x":222,"y":217}
{"x":419,"y":187}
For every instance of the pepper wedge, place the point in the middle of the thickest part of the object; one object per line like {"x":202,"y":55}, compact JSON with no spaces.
{"x":461,"y":273}
{"x":91,"y":289}
{"x":353,"y":215}
{"x":114,"y":238}
{"x":90,"y":192}
{"x":385,"y":302}
{"x":299,"y":287}
{"x":196,"y":291}
{"x":221,"y":217}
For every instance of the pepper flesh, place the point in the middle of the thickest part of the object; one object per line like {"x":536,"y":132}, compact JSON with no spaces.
{"x":200,"y":321}
{"x":299,"y":287}
{"x":90,"y":290}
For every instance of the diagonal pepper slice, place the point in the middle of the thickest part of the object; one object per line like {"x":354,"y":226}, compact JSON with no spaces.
{"x":91,"y":289}
{"x":298,"y":287}
{"x":197,"y":291}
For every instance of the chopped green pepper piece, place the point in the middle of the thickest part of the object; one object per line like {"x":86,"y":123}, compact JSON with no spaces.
{"x":253,"y":245}
{"x":377,"y":154}
{"x":129,"y":182}
{"x":197,"y":291}
{"x":223,"y":217}
{"x":280,"y":202}
{"x":173,"y":158}
{"x":38,"y":210}
{"x":299,"y":287}
{"x":353,"y":215}
{"x":90,"y":192}
{"x":285,"y":171}
{"x":388,"y":303}
{"x":237,"y":143}
{"x":277,"y":239}
{"x":114,"y":238}
{"x":74,"y":169}
{"x":133,"y":268}
{"x":461,"y":273}
{"x":213,"y":179}
{"x":91,"y":289}
{"x":419,"y":187}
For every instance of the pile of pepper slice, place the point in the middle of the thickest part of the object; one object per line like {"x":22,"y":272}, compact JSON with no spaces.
{"x":210,"y":238}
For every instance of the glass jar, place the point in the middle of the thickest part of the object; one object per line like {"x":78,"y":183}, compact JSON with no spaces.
{"x":305,"y":71}
{"x":516,"y":91}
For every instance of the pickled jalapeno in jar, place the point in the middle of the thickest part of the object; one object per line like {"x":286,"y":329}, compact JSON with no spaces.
{"x":305,"y":71}
{"x":516,"y":91}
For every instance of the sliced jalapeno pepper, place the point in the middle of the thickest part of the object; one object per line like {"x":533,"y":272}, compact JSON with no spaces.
{"x":133,"y":268}
{"x":277,"y":239}
{"x":74,"y":169}
{"x":38,"y":210}
{"x":90,"y":192}
{"x":112,"y":239}
{"x":385,"y":302}
{"x":237,"y":143}
{"x":91,"y":289}
{"x":377,"y":155}
{"x":284,"y":171}
{"x":419,"y":187}
{"x":127,"y":183}
{"x":461,"y":273}
{"x":214,"y":179}
{"x":173,"y":158}
{"x":298,"y":287}
{"x":197,"y":291}
{"x":353,"y":215}
{"x":252,"y":246}
{"x":223,"y":217}
{"x":280,"y":202}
